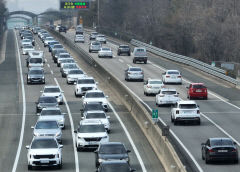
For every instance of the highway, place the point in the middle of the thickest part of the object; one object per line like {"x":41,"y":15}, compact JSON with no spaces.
{"x":12,"y":118}
{"x":220,"y":113}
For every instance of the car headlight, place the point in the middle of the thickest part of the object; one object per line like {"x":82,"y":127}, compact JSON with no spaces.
{"x":100,"y":160}
{"x":57,"y":156}
{"x":61,"y":120}
{"x":36,"y":134}
{"x":43,"y":77}
{"x":29,"y":77}
{"x":58,"y":134}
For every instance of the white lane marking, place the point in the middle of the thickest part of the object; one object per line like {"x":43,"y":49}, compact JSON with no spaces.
{"x":72,"y":129}
{"x":24,"y":111}
{"x":120,"y":60}
{"x":51,"y":72}
{"x":48,"y":65}
{"x":129,"y":138}
{"x":174,"y":135}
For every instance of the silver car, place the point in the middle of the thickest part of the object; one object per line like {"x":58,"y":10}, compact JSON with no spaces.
{"x":54,"y":91}
{"x":26,"y":49}
{"x":44,"y":151}
{"x":53,"y":113}
{"x":79,"y":38}
{"x":74,"y":74}
{"x":94,"y":46}
{"x":46,"y":127}
{"x":67,"y":67}
{"x":134,"y":73}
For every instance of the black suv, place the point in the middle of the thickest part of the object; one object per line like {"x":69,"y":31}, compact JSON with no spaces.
{"x":113,"y":166}
{"x":111,"y":150}
{"x":124,"y":49}
{"x":62,"y":29}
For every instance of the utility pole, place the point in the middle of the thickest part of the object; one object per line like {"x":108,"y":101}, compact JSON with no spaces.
{"x":98,"y":14}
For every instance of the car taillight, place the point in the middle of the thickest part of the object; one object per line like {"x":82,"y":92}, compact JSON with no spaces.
{"x":198,"y":111}
{"x":234,"y":150}
{"x":179,"y":76}
{"x":177,"y":111}
{"x":141,"y":72}
{"x":167,"y":76}
{"x":149,"y":86}
{"x":210,"y":150}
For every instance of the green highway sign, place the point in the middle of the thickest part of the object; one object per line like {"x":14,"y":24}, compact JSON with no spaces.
{"x":155,"y":113}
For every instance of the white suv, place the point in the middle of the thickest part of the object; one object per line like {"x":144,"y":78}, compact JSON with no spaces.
{"x":152,"y":86}
{"x":186,"y":111}
{"x":44,"y":151}
{"x":167,"y":96}
{"x":90,"y":134}
{"x":83,"y":85}
{"x":54,"y":91}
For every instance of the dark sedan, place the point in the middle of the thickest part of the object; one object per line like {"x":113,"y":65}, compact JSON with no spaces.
{"x":219,"y":149}
{"x":35,"y":75}
{"x":46,"y":101}
{"x":92,"y":106}
{"x":111,"y":151}
{"x":113,"y":166}
{"x":124,"y":49}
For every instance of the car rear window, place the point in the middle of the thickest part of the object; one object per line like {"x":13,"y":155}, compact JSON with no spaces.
{"x":221,"y":142}
{"x":36,"y":60}
{"x":86,"y":81}
{"x":94,"y":95}
{"x":95,"y":115}
{"x":188,"y":106}
{"x":124,"y":46}
{"x":47,"y":125}
{"x":91,"y":128}
{"x":155,"y":82}
{"x":173,"y":73}
{"x":52,"y":90}
{"x":168,"y":92}
{"x":135,"y":69}
{"x":51,"y":112}
{"x":36,"y":72}
{"x":95,"y":43}
{"x":44,"y":144}
{"x":198,"y":86}
{"x":112,"y":149}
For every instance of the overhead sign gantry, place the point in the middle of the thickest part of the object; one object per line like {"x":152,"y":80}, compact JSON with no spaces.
{"x":74,"y":4}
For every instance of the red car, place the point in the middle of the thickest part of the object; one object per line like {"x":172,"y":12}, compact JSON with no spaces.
{"x":197,"y":90}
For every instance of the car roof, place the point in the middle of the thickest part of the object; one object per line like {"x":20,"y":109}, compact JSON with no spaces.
{"x":51,"y":86}
{"x":94,"y":91}
{"x":43,"y":119}
{"x":187,"y":102}
{"x":64,"y":53}
{"x":90,"y":122}
{"x":131,"y":67}
{"x":168,"y":89}
{"x":51,"y":108}
{"x":43,"y":137}
{"x":115,"y":162}
{"x":124,"y":45}
{"x":87,"y":77}
{"x":172,"y":71}
{"x":220,"y":138}
{"x":36,"y":68}
{"x":197,"y":83}
{"x":96,"y":111}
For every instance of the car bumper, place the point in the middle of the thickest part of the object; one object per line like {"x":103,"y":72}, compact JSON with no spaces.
{"x":140,"y":59}
{"x":81,"y":143}
{"x":36,"y":80}
{"x":198,"y":95}
{"x":105,"y":55}
{"x":223,"y":157}
{"x":173,"y":80}
{"x":153,"y":90}
{"x":165,"y":102}
{"x":71,"y":80}
{"x":44,"y":162}
{"x":188,"y":119}
{"x":135,"y":77}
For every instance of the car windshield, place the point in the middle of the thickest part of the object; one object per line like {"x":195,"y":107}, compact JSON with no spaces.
{"x":173,"y":73}
{"x":49,"y":39}
{"x":155,"y":82}
{"x":106,"y":49}
{"x":52,"y":90}
{"x":75,"y":72}
{"x":168,"y":92}
{"x":61,"y":51}
{"x":198,"y":86}
{"x":64,"y":56}
{"x":58,"y":46}
{"x":112,"y":149}
{"x":221,"y":142}
{"x":66,"y":60}
{"x":35,"y":60}
{"x":135,"y":69}
{"x":36,"y":72}
{"x":26,"y":40}
{"x":93,"y":107}
{"x":70,"y":66}
{"x":95,"y":115}
{"x":113,"y":167}
{"x":53,"y":42}
{"x":47,"y":100}
{"x":91,"y":128}
{"x":95,"y":43}
{"x":140,"y":50}
{"x":28,"y":47}
{"x":50,"y":112}
{"x":94,"y":95}
{"x":94,"y":33}
{"x":46,"y":125}
{"x":123,"y":46}
{"x":44,"y":144}
{"x":86,"y":81}
{"x":187,"y":106}
{"x":100,"y":36}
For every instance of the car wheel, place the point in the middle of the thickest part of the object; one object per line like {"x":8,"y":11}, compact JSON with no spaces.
{"x":146,"y":94}
{"x":145,"y":62}
{"x":59,"y":166}
{"x":172,"y":120}
{"x":199,"y":122}
{"x":206,"y":98}
{"x":29,"y":167}
{"x":190,"y":98}
{"x":129,"y":54}
{"x":203,"y":156}
{"x":134,"y":61}
{"x":62,"y":75}
{"x":175,"y":122}
{"x":97,"y":164}
{"x":76,"y":94}
{"x":90,"y":51}
{"x":236,"y":161}
{"x":58,"y":65}
{"x":206,"y":160}
{"x":118,"y":54}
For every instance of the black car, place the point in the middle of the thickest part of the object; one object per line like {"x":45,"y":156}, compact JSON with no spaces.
{"x":219,"y":149}
{"x":35,"y":75}
{"x":111,"y":150}
{"x":113,"y":166}
{"x":46,"y":101}
{"x":92,"y":106}
{"x":124,"y":49}
{"x":62,"y":29}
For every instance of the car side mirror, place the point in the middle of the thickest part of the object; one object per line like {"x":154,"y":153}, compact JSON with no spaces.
{"x":75,"y":83}
{"x":60,"y":146}
{"x":41,"y":91}
{"x":178,"y":93}
{"x":75,"y":131}
{"x":27,"y":147}
{"x":128,"y":151}
{"x":32,"y":127}
{"x":82,"y":118}
{"x":38,"y":114}
{"x":106,"y":96}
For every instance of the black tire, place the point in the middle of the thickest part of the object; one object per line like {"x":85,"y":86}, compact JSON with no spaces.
{"x":172,"y":120}
{"x":236,"y":161}
{"x":76,"y":94}
{"x":90,"y":51}
{"x":145,"y":62}
{"x":97,"y":164}
{"x":58,"y":65}
{"x":207,"y":160}
{"x":129,"y":54}
{"x":29,"y":167}
{"x":190,"y":98}
{"x":134,"y":61}
{"x":118,"y":54}
{"x":59,"y":166}
{"x":199,"y":122}
{"x":37,"y":110}
{"x":203,"y":157}
{"x":175,"y":122}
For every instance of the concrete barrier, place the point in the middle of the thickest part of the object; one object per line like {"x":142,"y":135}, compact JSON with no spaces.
{"x":161,"y":145}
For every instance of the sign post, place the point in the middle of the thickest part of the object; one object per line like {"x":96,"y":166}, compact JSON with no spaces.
{"x":155,"y":115}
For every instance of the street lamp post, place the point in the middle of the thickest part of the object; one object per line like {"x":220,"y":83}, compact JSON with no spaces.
{"x":98,"y":13}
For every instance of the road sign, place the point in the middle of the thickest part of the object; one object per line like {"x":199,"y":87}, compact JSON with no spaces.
{"x":74,"y":4}
{"x":155,"y":114}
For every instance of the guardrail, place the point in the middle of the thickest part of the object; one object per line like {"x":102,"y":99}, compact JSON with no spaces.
{"x":187,"y":60}
{"x":162,"y":147}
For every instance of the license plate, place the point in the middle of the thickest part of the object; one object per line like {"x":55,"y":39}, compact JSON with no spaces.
{"x":156,"y":87}
{"x":199,"y":91}
{"x":173,"y":77}
{"x":92,"y":143}
{"x":44,"y":161}
{"x":222,"y":150}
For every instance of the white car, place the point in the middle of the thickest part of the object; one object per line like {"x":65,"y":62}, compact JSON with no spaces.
{"x":54,"y":91}
{"x":186,"y":111}
{"x":44,"y":151}
{"x":152,"y":86}
{"x":79,"y":38}
{"x":66,"y":67}
{"x":26,"y":42}
{"x":172,"y":76}
{"x":101,"y":38}
{"x":98,"y":115}
{"x":105,"y":52}
{"x":90,"y":134}
{"x":74,"y":74}
{"x":83,"y":85}
{"x":167,"y":96}
{"x":26,"y":49}
{"x":47,"y":40}
{"x":62,"y":56}
{"x":35,"y":62}
{"x":53,"y":113}
{"x":96,"y":96}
